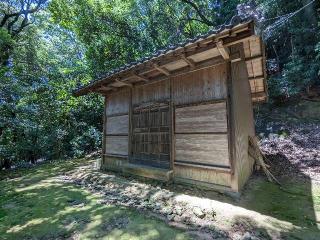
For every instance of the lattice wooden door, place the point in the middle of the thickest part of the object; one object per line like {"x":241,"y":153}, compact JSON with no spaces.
{"x":150,"y":136}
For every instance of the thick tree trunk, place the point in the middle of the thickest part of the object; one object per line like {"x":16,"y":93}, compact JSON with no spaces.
{"x":7,"y":164}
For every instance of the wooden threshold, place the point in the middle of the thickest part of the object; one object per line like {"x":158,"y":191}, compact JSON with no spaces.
{"x":115,"y":155}
{"x":225,"y":169}
{"x":148,"y":172}
{"x":207,"y":186}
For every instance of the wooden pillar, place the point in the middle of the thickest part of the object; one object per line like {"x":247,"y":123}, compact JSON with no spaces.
{"x":130,"y":126}
{"x":172,"y":130}
{"x":230,"y":117}
{"x":104,"y":130}
{"x":242,"y":123}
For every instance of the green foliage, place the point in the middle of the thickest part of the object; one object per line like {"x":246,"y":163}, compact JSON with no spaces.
{"x":39,"y":116}
{"x":293,"y":45}
{"x":72,"y":42}
{"x":6,"y":43}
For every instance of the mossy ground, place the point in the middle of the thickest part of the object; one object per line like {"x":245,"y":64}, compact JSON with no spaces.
{"x":34,"y":205}
{"x":297,"y":202}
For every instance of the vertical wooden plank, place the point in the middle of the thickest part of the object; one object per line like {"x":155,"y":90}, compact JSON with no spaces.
{"x":230,"y":118}
{"x":130,"y":126}
{"x":104,"y":131}
{"x":264,"y":65}
{"x":172,"y":131}
{"x":200,"y":86}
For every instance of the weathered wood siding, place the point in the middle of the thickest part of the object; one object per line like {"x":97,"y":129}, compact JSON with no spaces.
{"x":202,"y":118}
{"x":200,"y":86}
{"x":201,"y":130}
{"x":241,"y":120}
{"x":113,"y":163}
{"x":118,"y":125}
{"x":209,"y":149}
{"x":117,"y":145}
{"x":201,"y":175}
{"x":118,"y":102}
{"x":154,"y":92}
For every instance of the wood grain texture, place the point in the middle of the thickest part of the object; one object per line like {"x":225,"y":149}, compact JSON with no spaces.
{"x":104,"y":127}
{"x":202,"y":175}
{"x":148,"y":172}
{"x":257,"y":85}
{"x":255,"y":67}
{"x":252,"y":47}
{"x":202,"y":148}
{"x":113,"y":163}
{"x":200,"y":86}
{"x":242,"y":121}
{"x":201,"y":118}
{"x":118,"y":102}
{"x":118,"y":125}
{"x":155,"y":92}
{"x":117,"y":145}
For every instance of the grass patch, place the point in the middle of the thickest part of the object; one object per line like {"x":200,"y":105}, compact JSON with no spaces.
{"x":297,"y":202}
{"x":35,"y":205}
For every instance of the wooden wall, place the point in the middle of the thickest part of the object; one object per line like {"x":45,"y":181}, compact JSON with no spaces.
{"x":116,"y":129}
{"x":155,"y":92}
{"x":242,"y":121}
{"x":209,"y":131}
{"x":201,"y":130}
{"x":200,"y":86}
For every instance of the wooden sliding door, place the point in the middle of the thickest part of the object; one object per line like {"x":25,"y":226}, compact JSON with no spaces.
{"x":151,"y":135}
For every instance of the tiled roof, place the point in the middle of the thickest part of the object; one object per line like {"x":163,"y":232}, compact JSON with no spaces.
{"x":236,"y":20}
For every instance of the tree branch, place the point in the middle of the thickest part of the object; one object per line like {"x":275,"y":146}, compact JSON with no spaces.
{"x":204,"y":19}
{"x":25,"y":9}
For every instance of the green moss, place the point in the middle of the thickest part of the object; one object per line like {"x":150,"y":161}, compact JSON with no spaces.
{"x":296,"y":202}
{"x":35,"y":205}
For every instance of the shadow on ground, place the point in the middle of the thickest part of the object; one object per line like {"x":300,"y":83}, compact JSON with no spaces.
{"x":35,"y":205}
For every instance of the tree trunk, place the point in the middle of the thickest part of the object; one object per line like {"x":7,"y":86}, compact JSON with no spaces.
{"x":7,"y":164}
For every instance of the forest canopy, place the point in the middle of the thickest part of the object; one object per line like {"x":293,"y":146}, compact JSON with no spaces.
{"x":49,"y":47}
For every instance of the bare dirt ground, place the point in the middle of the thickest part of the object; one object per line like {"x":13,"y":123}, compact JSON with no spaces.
{"x":290,"y":138}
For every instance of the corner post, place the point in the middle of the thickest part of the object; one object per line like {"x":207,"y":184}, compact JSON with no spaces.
{"x":104,"y":130}
{"x":242,"y":123}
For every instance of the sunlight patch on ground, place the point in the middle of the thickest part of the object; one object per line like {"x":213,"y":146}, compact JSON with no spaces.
{"x":33,"y":222}
{"x":227,"y":214}
{"x":315,"y":188}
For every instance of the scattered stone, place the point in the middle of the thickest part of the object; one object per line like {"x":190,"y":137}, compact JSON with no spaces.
{"x":177,"y":218}
{"x":170,"y":217}
{"x":198,"y":212}
{"x":249,"y":236}
{"x":178,"y":210}
{"x":76,"y":203}
{"x":157,"y":206}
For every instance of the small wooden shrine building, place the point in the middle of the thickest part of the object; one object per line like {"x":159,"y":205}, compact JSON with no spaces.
{"x":184,"y":114}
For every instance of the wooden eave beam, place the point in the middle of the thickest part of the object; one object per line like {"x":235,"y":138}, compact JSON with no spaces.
{"x":123,"y":83}
{"x":224,"y":51}
{"x":142,"y":78}
{"x":105,"y":88}
{"x":190,"y":62}
{"x":161,"y":69}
